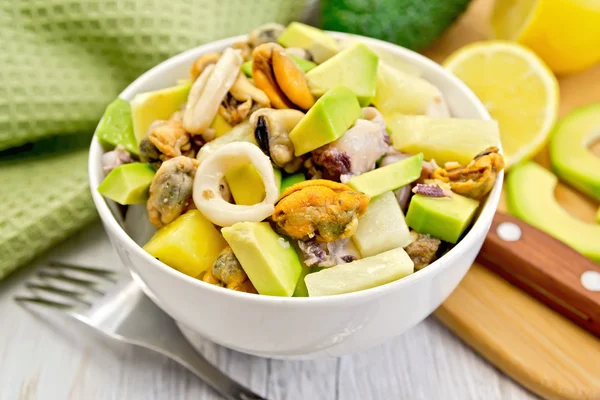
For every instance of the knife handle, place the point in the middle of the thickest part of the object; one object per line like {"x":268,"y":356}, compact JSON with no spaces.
{"x":544,"y":267}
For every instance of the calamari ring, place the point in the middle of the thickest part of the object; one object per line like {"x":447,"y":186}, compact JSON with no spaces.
{"x":211,"y":172}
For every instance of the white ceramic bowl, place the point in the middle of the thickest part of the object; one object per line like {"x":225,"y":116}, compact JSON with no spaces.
{"x":298,"y":328}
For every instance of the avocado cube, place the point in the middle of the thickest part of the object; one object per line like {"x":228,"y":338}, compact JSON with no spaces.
{"x":247,"y":68}
{"x":354,"y":68}
{"x":190,"y":244}
{"x":382,"y":227}
{"x":220,"y":126}
{"x":362,"y":274}
{"x":159,"y":104}
{"x":116,"y":127}
{"x":246,"y":184}
{"x":445,"y":218}
{"x":291,"y":180}
{"x":442,"y":139}
{"x":390,"y":177}
{"x":128,"y":183}
{"x":268,"y":259}
{"x":317,"y":42}
{"x":327,"y":120}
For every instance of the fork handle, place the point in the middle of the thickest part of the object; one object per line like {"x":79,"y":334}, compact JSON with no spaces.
{"x":153,"y":329}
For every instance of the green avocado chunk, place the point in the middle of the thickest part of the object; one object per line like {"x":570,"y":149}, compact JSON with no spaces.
{"x":116,"y":127}
{"x":571,"y":158}
{"x":441,"y":217}
{"x":328,"y":119}
{"x":382,"y":227}
{"x":268,"y":259}
{"x":359,"y":275}
{"x":159,"y":104}
{"x":390,"y":177}
{"x":128,"y":183}
{"x":291,"y":180}
{"x":354,"y":68}
{"x":317,"y":42}
{"x":530,"y":196}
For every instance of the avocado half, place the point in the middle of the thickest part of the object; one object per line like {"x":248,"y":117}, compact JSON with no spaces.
{"x":570,"y":154}
{"x":410,"y":23}
{"x":530,"y":195}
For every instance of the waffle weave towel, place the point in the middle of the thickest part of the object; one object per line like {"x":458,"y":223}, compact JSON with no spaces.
{"x":61,"y":63}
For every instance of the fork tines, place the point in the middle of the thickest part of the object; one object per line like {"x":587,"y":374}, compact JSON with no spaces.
{"x":65,"y":286}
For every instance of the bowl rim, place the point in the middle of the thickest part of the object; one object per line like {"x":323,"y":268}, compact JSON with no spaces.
{"x":478,"y":228}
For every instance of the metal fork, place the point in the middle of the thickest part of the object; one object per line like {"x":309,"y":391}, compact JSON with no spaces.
{"x":112,"y":302}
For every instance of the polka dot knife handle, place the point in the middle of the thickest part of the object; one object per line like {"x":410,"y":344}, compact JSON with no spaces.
{"x":546,"y":268}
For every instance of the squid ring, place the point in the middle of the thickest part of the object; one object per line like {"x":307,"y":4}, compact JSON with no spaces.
{"x":211,"y":172}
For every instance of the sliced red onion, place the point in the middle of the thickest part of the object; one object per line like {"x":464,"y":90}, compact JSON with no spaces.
{"x":431,"y":190}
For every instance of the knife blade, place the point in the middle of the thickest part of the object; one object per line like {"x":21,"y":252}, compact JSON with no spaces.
{"x":544,"y":267}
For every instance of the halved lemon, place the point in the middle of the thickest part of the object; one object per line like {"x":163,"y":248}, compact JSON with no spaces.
{"x":564,"y":33}
{"x":516,"y":87}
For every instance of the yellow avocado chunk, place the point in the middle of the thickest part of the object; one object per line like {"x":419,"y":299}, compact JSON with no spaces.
{"x":246,"y":185}
{"x":159,"y":104}
{"x":220,"y":126}
{"x":190,"y":244}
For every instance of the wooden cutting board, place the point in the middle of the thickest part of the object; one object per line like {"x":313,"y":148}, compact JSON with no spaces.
{"x":529,"y":342}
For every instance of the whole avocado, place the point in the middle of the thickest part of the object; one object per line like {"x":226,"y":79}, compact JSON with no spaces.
{"x":410,"y":23}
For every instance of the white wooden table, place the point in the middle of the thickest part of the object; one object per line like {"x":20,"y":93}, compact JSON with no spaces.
{"x":41,"y":360}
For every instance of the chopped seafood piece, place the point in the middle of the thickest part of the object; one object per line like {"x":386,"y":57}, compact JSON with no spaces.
{"x":357,"y":151}
{"x":271,"y":130}
{"x":208,"y":91}
{"x":277,"y":74}
{"x":171,"y":190}
{"x":211,"y":173}
{"x":320,"y":209}
{"x":328,"y":254}
{"x":423,"y":249}
{"x":165,"y":140}
{"x":476,"y":179}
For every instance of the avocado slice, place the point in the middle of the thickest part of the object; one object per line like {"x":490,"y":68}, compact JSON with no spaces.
{"x":128,"y":183}
{"x":320,"y":45}
{"x":291,"y":180}
{"x":359,"y":275}
{"x":268,"y":259}
{"x":328,"y":119}
{"x":571,"y":158}
{"x":445,"y":218}
{"x":390,"y":177}
{"x":354,"y":68}
{"x":304,"y":65}
{"x":159,"y":104}
{"x":442,"y":139}
{"x":190,"y":244}
{"x":382,"y":227}
{"x":246,"y":185}
{"x":530,"y":196}
{"x":116,"y":127}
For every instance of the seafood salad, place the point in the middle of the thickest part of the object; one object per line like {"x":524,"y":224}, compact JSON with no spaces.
{"x":295,"y":164}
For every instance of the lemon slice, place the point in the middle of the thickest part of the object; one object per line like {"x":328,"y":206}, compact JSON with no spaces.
{"x":516,"y":87}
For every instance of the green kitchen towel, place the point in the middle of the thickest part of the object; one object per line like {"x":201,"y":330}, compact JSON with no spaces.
{"x":61,"y":63}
